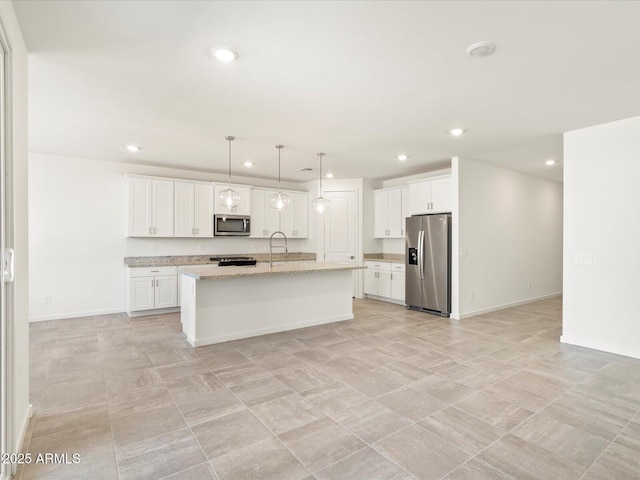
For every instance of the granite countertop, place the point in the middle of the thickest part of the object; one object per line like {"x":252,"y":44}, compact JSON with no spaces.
{"x":385,"y":257}
{"x":177,"y":260}
{"x":207,"y":272}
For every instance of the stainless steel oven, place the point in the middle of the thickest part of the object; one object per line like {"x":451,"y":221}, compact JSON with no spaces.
{"x":231,"y":225}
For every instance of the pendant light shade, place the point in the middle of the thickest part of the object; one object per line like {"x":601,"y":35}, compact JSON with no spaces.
{"x":320,"y":204}
{"x":279,"y":200}
{"x":229,"y":198}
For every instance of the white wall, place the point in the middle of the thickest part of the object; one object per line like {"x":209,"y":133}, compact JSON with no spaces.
{"x":20,"y":360}
{"x":77,"y":240}
{"x":601,"y":199}
{"x":509,"y":234}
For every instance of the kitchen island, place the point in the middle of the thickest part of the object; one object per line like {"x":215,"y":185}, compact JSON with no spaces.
{"x":227,"y":303}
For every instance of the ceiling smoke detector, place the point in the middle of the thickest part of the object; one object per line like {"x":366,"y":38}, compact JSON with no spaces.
{"x":481,"y":49}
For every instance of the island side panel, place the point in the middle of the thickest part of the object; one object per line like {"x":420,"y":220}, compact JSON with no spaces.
{"x":232,"y":308}
{"x":188,"y":307}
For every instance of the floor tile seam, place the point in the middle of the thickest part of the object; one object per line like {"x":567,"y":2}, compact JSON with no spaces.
{"x":378,"y":449}
{"x":607,"y":447}
{"x":270,"y":431}
{"x":367,"y":446}
{"x":195,"y":438}
{"x":475,"y":457}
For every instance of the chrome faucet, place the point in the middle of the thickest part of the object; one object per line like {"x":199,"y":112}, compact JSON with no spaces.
{"x":272,"y":246}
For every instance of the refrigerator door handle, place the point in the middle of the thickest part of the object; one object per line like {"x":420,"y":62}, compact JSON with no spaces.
{"x":420,"y":254}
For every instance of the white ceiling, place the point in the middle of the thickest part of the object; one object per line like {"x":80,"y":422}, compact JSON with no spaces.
{"x":361,"y":81}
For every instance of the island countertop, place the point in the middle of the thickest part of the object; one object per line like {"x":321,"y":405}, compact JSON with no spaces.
{"x":208,"y":272}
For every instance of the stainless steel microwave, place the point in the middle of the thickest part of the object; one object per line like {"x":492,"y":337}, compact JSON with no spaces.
{"x":232,"y":225}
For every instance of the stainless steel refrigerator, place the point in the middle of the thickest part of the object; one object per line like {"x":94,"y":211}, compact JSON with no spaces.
{"x":428,"y":268}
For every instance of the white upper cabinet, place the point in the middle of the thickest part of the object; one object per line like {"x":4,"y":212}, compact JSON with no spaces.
{"x":193,"y":207}
{"x":388,"y":221}
{"x":294,"y":220}
{"x":150,"y":207}
{"x":430,"y":196}
{"x":244,"y":208}
{"x":264,"y":219}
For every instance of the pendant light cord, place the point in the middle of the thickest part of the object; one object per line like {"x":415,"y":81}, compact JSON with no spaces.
{"x":279,"y":147}
{"x":230,"y":139}
{"x":321,"y":155}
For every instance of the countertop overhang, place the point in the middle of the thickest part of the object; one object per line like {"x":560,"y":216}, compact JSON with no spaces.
{"x":207,"y":272}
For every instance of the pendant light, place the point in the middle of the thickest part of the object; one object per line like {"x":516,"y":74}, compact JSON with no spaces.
{"x":229,"y":198}
{"x":320,"y":204}
{"x":279,"y":200}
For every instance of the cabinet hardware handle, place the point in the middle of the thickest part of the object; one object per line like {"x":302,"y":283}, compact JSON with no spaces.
{"x":392,"y":276}
{"x":150,"y":230}
{"x":196,"y":231}
{"x":154,"y":271}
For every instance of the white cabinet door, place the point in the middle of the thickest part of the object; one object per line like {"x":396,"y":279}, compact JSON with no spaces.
{"x":384,"y":284}
{"x":394,"y":212}
{"x":166,"y":291}
{"x":203,"y":210}
{"x":380,"y":225}
{"x":184,"y":209}
{"x":300,"y":215}
{"x":264,"y":219}
{"x":405,"y":209}
{"x":431,"y":196}
{"x":370,"y":282}
{"x":141,"y":293}
{"x":441,"y":195}
{"x":397,"y":286}
{"x":243,"y":208}
{"x":294,"y":220}
{"x":258,"y":220}
{"x":140,"y":210}
{"x":162,"y":208}
{"x":387,"y":213}
{"x":420,"y":197}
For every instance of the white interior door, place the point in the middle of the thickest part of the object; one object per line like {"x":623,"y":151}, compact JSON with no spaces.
{"x":340,"y":230}
{"x":7,"y":275}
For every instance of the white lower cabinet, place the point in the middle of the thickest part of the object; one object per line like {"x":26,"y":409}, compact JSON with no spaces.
{"x":385,"y":280}
{"x":152,"y":288}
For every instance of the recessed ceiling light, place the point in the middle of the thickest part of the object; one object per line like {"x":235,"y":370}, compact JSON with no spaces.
{"x":248,"y":164}
{"x":329,"y":175}
{"x":481,"y":49}
{"x":456,"y":132}
{"x":550,"y":162}
{"x":402,"y":157}
{"x":133,"y":148}
{"x":224,"y":54}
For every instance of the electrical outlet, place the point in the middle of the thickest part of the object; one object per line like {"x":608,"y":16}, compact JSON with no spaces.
{"x":256,"y":246}
{"x":528,"y":285}
{"x":47,"y":298}
{"x":202,"y":247}
{"x":154,"y":248}
{"x":472,"y":296}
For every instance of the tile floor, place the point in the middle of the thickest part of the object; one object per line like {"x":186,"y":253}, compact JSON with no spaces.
{"x":393,"y":394}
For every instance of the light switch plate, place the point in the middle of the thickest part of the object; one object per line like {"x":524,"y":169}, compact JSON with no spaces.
{"x":585,"y":258}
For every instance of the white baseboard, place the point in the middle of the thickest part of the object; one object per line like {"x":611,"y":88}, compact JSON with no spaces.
{"x":602,"y":346}
{"x":263,"y":331}
{"x":23,"y":428}
{"x":90,"y":313}
{"x":157,"y":311}
{"x":385,"y":299}
{"x":506,"y":305}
